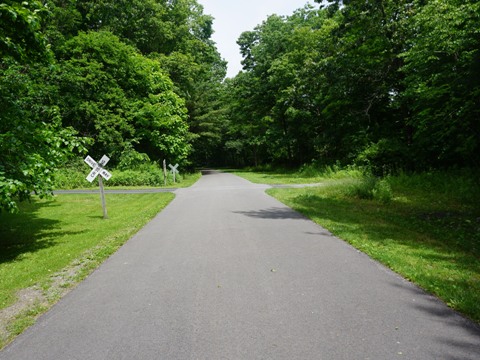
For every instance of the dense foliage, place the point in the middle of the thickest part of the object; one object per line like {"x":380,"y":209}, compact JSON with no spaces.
{"x":32,"y":139}
{"x":122,"y":78}
{"x":389,"y":85}
{"x":386,"y":84}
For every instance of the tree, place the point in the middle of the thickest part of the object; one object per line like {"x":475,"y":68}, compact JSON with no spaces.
{"x":261,"y":48}
{"x":246,"y":136}
{"x":442,"y":69}
{"x":328,"y":82}
{"x":118,"y":97}
{"x":20,"y":35}
{"x":175,"y":34}
{"x":32,"y":141}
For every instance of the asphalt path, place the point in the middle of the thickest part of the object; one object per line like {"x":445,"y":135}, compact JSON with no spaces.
{"x":227,"y":272}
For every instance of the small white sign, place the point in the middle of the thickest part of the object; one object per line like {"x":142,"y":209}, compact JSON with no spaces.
{"x":104,"y":160}
{"x":92,"y":163}
{"x":98,"y":168}
{"x":174,"y":168}
{"x":105,"y":174}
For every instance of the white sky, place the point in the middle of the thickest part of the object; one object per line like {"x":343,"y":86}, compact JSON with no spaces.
{"x":232,"y":17}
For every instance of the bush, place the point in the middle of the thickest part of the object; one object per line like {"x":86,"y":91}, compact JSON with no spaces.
{"x":131,"y":159}
{"x":73,"y":176}
{"x":371,"y":188}
{"x":461,"y":185}
{"x":335,"y":171}
{"x":145,"y":176}
{"x":385,"y":157}
{"x":382,"y":191}
{"x":362,"y":189}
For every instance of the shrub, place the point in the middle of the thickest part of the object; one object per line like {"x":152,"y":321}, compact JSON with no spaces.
{"x":131,"y":159}
{"x":73,"y":176}
{"x":146,"y":176}
{"x":387,"y":156}
{"x":362,"y":189}
{"x":382,"y":191}
{"x":456,"y":184}
{"x":371,"y":188}
{"x":335,"y":171}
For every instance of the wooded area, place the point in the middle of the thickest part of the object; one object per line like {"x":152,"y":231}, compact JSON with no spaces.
{"x":388,"y":85}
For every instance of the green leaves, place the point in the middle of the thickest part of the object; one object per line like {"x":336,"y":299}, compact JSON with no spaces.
{"x":20,"y":31}
{"x":126,"y":77}
{"x":394,"y":84}
{"x":443,"y":81}
{"x":119,"y":97}
{"x":32,"y":140}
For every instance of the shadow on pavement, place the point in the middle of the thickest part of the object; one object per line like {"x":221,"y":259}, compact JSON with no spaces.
{"x":209,"y":172}
{"x":440,"y":312}
{"x":272,"y":213}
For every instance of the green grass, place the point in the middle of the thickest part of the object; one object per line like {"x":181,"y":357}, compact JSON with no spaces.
{"x":425,"y":227}
{"x":305,"y":175}
{"x":64,"y":238}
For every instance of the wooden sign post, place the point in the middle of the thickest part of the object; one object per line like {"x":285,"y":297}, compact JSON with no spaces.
{"x":98,"y":169}
{"x":165,"y":172}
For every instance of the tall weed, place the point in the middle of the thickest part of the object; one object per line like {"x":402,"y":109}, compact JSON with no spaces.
{"x":382,"y":191}
{"x":335,"y":171}
{"x":461,"y":186}
{"x":370,"y":187}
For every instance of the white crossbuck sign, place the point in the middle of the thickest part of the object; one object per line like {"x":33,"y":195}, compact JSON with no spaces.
{"x":173,"y":168}
{"x":98,"y":168}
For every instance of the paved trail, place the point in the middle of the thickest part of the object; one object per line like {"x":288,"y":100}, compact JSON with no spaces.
{"x":227,"y":272}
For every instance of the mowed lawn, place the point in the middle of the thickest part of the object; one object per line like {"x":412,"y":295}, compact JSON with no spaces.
{"x":66,"y":236}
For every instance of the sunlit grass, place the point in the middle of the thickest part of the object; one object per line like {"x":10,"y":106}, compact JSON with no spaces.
{"x":305,"y":175}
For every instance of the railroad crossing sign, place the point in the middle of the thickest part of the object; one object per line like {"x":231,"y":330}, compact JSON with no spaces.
{"x":97,"y":168}
{"x":174,"y":170}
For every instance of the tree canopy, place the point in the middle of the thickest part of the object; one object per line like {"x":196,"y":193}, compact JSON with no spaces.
{"x":110,"y":77}
{"x":388,"y":85}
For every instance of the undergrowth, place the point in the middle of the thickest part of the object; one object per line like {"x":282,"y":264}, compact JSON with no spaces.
{"x":72,"y":176}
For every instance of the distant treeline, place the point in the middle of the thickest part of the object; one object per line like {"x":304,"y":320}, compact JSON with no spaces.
{"x":389,"y":84}
{"x":125,"y":78}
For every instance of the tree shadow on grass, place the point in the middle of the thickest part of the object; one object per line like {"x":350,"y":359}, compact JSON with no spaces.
{"x":381,"y":225}
{"x":27,"y":232}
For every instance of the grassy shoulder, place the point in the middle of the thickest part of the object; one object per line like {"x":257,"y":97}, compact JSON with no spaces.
{"x":425,"y":227}
{"x":305,"y":175}
{"x":50,"y":245}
